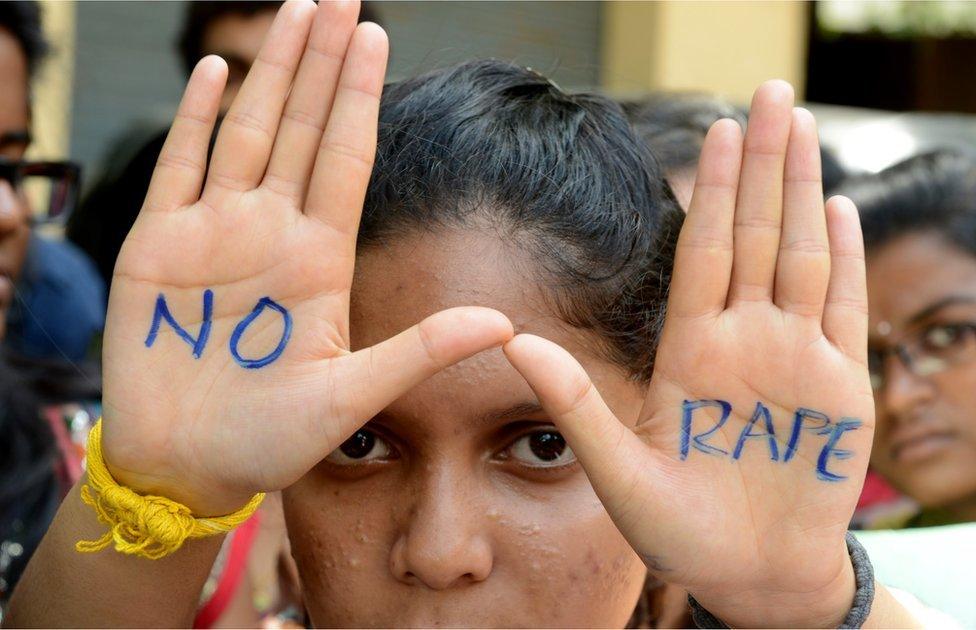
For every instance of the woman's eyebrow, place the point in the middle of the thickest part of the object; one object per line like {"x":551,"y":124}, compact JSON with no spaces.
{"x":516,"y":412}
{"x":946,"y":302}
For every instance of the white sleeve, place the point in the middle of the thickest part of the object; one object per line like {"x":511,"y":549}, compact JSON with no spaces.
{"x":929,"y":617}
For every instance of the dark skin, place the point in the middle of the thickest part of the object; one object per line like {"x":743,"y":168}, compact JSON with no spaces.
{"x":14,"y":140}
{"x":925,"y":441}
{"x":452,"y":508}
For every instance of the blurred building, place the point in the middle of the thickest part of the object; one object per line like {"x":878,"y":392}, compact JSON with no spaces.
{"x":115,"y":70}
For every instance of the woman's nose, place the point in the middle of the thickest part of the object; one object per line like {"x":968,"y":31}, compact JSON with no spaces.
{"x":904,"y":391}
{"x":444,"y":543}
{"x":11,"y":213}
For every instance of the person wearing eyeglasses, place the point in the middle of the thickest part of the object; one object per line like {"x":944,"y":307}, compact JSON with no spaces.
{"x":18,"y":56}
{"x":919,"y":221}
{"x":43,"y":284}
{"x":51,"y":298}
{"x":233,"y":30}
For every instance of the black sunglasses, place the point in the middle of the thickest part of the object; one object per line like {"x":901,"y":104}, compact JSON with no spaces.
{"x":57,"y":182}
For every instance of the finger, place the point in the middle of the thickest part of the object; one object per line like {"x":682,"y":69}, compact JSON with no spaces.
{"x":345,"y":156}
{"x":247,"y":133}
{"x":758,"y":212}
{"x":845,"y":317}
{"x":624,"y":472}
{"x":571,"y":400}
{"x":386,"y":371}
{"x":703,"y":260}
{"x":310,"y":101}
{"x":182,"y":163}
{"x":803,"y":263}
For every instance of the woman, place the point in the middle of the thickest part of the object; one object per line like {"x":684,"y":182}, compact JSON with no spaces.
{"x":425,"y":489}
{"x":920,"y":231}
{"x":919,"y":220}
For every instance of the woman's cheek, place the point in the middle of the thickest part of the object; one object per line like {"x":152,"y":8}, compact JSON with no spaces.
{"x":959,"y":400}
{"x":576,"y":568}
{"x":341,"y":547}
{"x":961,"y":396}
{"x":558,"y":560}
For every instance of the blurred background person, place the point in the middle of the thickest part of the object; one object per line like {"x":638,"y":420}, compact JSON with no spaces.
{"x":673,"y":125}
{"x":59,"y":306}
{"x":31,"y":483}
{"x":233,"y":30}
{"x":919,"y":221}
{"x":50,"y":307}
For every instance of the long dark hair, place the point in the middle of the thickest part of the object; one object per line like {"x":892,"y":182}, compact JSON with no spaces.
{"x":563,"y":176}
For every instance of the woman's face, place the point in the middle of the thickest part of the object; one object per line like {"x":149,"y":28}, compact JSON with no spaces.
{"x":14,"y":138}
{"x":922,"y":293}
{"x":460,"y":504}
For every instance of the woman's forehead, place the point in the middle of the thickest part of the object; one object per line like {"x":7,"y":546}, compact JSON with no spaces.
{"x":400,"y":284}
{"x":416,"y":275}
{"x":911,"y":274}
{"x":471,"y":398}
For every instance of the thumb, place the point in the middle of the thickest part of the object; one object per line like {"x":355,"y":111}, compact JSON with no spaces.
{"x":376,"y":376}
{"x":619,"y":465}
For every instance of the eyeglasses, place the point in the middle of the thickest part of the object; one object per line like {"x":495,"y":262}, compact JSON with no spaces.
{"x":927,"y":352}
{"x":52,"y":187}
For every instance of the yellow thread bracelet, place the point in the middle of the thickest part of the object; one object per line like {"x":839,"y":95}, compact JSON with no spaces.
{"x":147,"y":526}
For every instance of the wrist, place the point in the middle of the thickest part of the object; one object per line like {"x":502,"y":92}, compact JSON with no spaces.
{"x":151,"y":468}
{"x":151,"y":526}
{"x":202,"y":502}
{"x":826,"y":606}
{"x":146,"y":473}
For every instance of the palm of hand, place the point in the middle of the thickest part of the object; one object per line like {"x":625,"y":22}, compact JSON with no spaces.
{"x":226,"y":356}
{"x":238,"y":253}
{"x":742,"y":473}
{"x":775,"y":496}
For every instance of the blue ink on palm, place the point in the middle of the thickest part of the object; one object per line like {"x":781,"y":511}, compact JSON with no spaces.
{"x":761,"y":412}
{"x":835,"y":432}
{"x":804,"y":419}
{"x":235,"y":338}
{"x":698,"y":441}
{"x":161,"y":313}
{"x":798,"y":420}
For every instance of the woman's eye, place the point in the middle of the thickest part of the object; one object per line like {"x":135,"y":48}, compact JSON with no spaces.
{"x":542,"y":449}
{"x":363,"y":446}
{"x":940,"y":337}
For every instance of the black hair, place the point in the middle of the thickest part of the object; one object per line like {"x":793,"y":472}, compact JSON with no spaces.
{"x":201,"y":14}
{"x":832,"y":172}
{"x":22,"y":19}
{"x":30,"y":491}
{"x":563,"y":177}
{"x":674,"y":125}
{"x":932,"y":192}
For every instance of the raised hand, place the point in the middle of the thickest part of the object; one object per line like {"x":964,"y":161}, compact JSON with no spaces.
{"x":227,"y":362}
{"x":746,"y":463}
